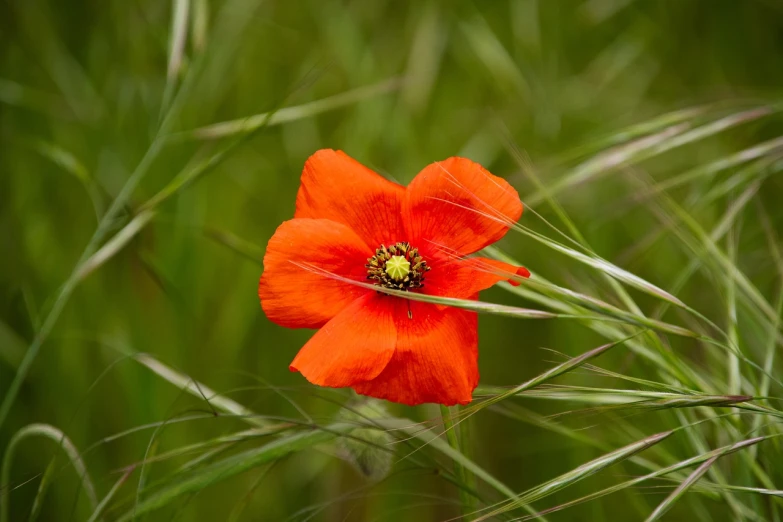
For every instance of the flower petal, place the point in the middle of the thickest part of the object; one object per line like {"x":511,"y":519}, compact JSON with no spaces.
{"x":458,"y":204}
{"x":295,"y":297}
{"x":337,"y":187}
{"x":435,"y":360}
{"x":355,"y":346}
{"x":464,"y":277}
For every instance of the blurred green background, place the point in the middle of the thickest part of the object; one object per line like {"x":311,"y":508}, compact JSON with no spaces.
{"x":87,"y":85}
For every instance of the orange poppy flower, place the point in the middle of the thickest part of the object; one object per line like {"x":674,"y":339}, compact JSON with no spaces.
{"x":353,"y":223}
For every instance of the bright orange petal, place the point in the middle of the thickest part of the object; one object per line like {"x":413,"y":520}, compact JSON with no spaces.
{"x":337,"y":187}
{"x":353,"y":347}
{"x":464,"y":277}
{"x":292,"y":295}
{"x":435,"y":360}
{"x":458,"y":204}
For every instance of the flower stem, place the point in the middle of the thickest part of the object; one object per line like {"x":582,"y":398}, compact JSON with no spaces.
{"x":464,"y":476}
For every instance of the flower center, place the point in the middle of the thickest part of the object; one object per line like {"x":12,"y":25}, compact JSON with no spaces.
{"x":398,"y":267}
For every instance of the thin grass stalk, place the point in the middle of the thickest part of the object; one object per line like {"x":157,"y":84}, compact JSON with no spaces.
{"x":725,"y":450}
{"x":234,"y":465}
{"x":177,"y":39}
{"x":409,"y":427}
{"x":560,"y":369}
{"x":732,"y":362}
{"x":240,"y":507}
{"x":70,"y":284}
{"x":43,"y":488}
{"x":647,"y":147}
{"x":452,"y":436}
{"x":684,"y":486}
{"x":638,"y":130}
{"x":771,"y":344}
{"x":282,"y":115}
{"x":585,"y":470}
{"x":763,"y":151}
{"x":671,"y":367}
{"x":109,"y":496}
{"x":517,"y":412}
{"x":754,"y":173}
{"x":717,"y":257}
{"x":702,"y":244}
{"x":467,"y":304}
{"x":621,"y":292}
{"x":699,"y":443}
{"x":105,"y":224}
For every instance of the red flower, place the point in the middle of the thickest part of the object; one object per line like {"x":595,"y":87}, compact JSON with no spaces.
{"x":354,"y":223}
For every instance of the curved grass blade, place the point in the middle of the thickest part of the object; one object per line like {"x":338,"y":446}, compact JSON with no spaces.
{"x":50,"y":432}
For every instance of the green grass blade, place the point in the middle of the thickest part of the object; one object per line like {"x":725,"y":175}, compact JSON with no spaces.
{"x":452,"y":436}
{"x":239,"y":245}
{"x":199,"y":26}
{"x":725,"y":450}
{"x":195,"y":481}
{"x":114,"y":245}
{"x":645,"y":148}
{"x":683,"y":488}
{"x":637,"y":130}
{"x":195,"y":388}
{"x":585,"y":470}
{"x":43,"y":488}
{"x":109,"y":496}
{"x":560,"y":369}
{"x":467,"y":304}
{"x":431,"y":439}
{"x":56,"y":435}
{"x":71,"y":283}
{"x":242,"y":126}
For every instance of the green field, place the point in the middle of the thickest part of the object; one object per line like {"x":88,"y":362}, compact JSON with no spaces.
{"x":150,"y":149}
